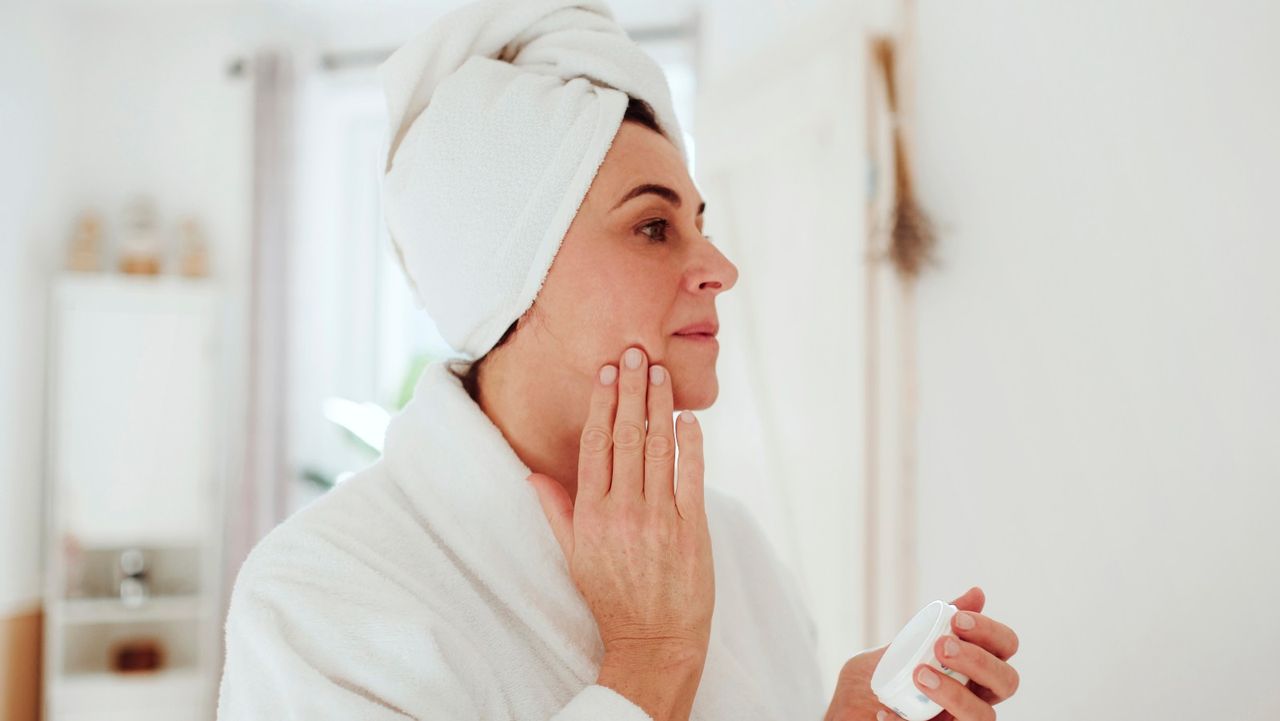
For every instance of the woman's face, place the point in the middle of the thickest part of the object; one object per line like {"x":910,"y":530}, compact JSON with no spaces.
{"x":635,"y":269}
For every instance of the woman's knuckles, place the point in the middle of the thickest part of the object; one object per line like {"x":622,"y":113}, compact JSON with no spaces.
{"x":659,"y":447}
{"x":628,"y":436}
{"x":596,"y":440}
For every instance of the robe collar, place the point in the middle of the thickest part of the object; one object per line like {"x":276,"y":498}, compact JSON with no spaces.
{"x":468,"y":485}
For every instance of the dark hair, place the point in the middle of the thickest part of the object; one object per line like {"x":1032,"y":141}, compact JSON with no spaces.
{"x":638,"y":111}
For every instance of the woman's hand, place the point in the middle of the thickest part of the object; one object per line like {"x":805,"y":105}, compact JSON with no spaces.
{"x":983,"y":651}
{"x":638,"y":547}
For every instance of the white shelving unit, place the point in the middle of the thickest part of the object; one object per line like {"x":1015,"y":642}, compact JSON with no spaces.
{"x":133,"y":440}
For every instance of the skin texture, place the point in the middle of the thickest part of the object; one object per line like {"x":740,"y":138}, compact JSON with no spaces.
{"x":610,"y":287}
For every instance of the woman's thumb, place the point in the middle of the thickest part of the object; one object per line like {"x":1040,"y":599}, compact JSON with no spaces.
{"x":557,"y":507}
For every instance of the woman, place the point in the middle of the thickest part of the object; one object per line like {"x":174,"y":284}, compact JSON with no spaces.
{"x":550,"y":227}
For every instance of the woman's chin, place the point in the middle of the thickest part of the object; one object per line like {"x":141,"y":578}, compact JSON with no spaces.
{"x":698,"y":394}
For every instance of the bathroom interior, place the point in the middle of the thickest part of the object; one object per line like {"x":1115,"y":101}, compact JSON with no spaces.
{"x":1064,"y":392}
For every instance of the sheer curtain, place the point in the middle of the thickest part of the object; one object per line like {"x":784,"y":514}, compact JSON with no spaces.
{"x":256,"y":496}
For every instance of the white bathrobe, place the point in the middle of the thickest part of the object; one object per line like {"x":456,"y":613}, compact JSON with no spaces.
{"x":429,"y":585}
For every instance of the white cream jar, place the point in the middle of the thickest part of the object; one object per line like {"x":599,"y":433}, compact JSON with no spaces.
{"x":893,"y":681}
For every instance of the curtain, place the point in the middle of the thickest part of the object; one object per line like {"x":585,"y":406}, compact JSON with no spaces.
{"x":257,"y":496}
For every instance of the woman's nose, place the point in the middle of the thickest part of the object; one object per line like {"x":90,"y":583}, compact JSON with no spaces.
{"x":713,"y":271}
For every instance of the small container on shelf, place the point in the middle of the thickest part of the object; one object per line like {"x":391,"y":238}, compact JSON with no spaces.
{"x":137,"y":655}
{"x":140,"y":248}
{"x":131,"y":579}
{"x":193,"y":249}
{"x":84,"y":254}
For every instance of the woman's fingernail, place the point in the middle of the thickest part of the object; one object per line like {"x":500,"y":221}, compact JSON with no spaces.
{"x":950,"y":647}
{"x":964,"y":621}
{"x":882,"y":716}
{"x":656,"y":374}
{"x":686,"y":416}
{"x":608,"y":375}
{"x":928,"y":678}
{"x":632,"y":358}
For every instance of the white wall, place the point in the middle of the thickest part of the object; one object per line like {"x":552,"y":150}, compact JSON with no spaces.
{"x":735,"y":31}
{"x":1099,"y":404}
{"x":31,"y":67}
{"x":98,"y":105}
{"x":1100,"y":401}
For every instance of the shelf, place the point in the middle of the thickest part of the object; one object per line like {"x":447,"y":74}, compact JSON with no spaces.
{"x":134,"y":462}
{"x":112,"y":610}
{"x":93,"y":572}
{"x":77,"y":282}
{"x":92,"y":693}
{"x":87,"y":648}
{"x":90,"y":682}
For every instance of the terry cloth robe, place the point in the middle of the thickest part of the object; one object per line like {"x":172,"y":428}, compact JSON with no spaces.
{"x":429,"y":585}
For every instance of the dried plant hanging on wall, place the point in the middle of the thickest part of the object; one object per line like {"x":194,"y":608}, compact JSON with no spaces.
{"x":912,"y":236}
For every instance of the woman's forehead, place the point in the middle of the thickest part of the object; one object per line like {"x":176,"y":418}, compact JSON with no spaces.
{"x":642,"y":162}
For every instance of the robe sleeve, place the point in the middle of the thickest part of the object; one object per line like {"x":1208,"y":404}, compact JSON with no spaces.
{"x":598,"y":703}
{"x":297,"y":648}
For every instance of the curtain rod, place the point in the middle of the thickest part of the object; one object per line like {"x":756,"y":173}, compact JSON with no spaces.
{"x":335,"y":61}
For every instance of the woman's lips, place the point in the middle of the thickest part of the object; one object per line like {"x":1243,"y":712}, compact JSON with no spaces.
{"x":698,"y":337}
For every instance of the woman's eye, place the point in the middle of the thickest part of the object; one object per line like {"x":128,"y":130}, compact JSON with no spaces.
{"x":661,"y":237}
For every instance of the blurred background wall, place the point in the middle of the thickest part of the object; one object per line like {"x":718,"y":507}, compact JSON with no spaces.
{"x":1097,"y":400}
{"x":29,"y":61}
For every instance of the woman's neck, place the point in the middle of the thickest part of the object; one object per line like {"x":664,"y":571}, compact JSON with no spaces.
{"x":541,"y":416}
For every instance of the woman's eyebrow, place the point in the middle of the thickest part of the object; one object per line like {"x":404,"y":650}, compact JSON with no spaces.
{"x":661,"y":191}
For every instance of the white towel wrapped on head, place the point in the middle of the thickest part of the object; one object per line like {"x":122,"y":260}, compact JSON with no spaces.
{"x":501,"y":113}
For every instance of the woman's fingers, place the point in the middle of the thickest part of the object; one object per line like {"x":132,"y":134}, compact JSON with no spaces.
{"x":660,"y":440}
{"x":595,"y":448}
{"x":951,"y":695}
{"x":971,"y":600}
{"x":979,"y":665}
{"x":689,"y":499}
{"x":620,"y":549}
{"x":628,"y":427}
{"x":985,"y":631}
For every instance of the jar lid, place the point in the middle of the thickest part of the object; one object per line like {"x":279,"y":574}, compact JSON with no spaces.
{"x":909,"y":648}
